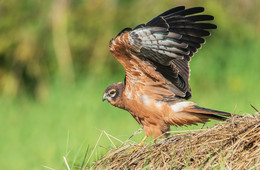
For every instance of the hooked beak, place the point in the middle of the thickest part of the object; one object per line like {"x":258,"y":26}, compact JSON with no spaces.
{"x":104,"y":97}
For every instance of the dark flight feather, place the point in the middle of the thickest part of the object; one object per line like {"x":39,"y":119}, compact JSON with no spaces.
{"x":170,"y":11}
{"x":199,"y":18}
{"x":169,"y":40}
{"x":189,"y":11}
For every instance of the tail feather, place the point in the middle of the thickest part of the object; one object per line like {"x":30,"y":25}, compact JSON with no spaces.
{"x":193,"y":114}
{"x":208,"y":113}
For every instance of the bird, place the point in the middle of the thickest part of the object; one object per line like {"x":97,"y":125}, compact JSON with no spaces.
{"x":156,"y":57}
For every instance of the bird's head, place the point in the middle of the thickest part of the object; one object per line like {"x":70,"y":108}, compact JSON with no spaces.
{"x":113,"y":94}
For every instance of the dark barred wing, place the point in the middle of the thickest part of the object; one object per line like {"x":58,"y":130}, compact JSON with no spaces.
{"x":169,"y":40}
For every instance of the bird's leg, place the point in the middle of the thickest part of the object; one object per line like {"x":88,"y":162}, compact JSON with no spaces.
{"x":203,"y":125}
{"x":142,"y":141}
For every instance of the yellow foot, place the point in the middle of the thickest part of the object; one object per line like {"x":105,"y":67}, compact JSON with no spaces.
{"x":142,"y":141}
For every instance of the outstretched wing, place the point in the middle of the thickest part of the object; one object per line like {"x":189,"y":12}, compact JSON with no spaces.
{"x":156,"y":55}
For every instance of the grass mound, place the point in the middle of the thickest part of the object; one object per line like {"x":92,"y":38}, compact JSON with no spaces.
{"x":234,"y":144}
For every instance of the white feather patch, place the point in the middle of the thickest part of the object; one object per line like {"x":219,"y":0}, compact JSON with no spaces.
{"x":178,"y":107}
{"x":145,"y":100}
{"x":113,"y":42}
{"x":129,"y":94}
{"x":158,"y":105}
{"x":119,"y":39}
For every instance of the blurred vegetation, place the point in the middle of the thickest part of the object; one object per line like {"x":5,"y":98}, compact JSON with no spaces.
{"x":42,"y":41}
{"x":56,"y":52}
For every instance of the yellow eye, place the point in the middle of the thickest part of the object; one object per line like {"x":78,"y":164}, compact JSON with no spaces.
{"x":112,"y":93}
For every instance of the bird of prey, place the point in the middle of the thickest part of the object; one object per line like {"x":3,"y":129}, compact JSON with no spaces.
{"x":156,"y":58}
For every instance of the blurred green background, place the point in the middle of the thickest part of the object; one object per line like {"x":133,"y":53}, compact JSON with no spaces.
{"x":55,"y":64}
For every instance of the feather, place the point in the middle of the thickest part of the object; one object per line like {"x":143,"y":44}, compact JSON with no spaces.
{"x":189,"y":11}
{"x":193,"y":25}
{"x":209,"y":113}
{"x":199,"y":18}
{"x":170,"y":11}
{"x":190,"y":31}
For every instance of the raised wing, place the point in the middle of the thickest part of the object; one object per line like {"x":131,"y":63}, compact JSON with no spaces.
{"x":164,"y":45}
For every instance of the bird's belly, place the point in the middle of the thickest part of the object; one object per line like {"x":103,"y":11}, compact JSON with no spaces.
{"x":147,"y":112}
{"x":151,"y":116}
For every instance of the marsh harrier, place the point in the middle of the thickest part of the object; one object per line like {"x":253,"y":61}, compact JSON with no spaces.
{"x":156,"y":59}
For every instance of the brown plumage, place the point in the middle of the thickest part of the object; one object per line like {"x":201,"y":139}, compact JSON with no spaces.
{"x":156,"y":59}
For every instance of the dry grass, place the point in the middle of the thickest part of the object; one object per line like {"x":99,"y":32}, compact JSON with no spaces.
{"x":234,"y":144}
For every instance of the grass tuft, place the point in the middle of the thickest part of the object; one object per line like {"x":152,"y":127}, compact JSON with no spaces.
{"x":234,"y":144}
